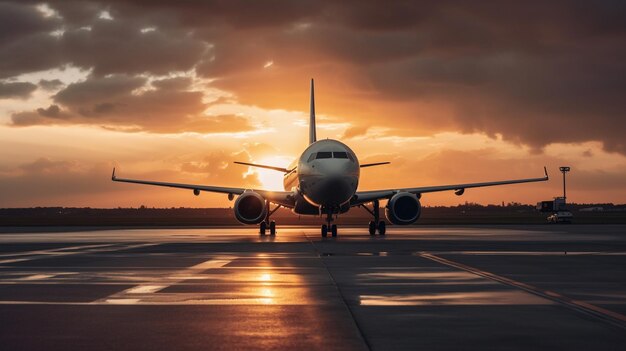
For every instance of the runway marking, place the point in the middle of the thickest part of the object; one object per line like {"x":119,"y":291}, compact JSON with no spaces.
{"x":122,"y":301}
{"x":153,"y":286}
{"x":613,"y":318}
{"x":13,"y":260}
{"x":145,"y":289}
{"x":512,"y":297}
{"x":533,"y":253}
{"x":44,"y":252}
{"x":37,"y":277}
{"x":211,"y":264}
{"x":84,"y":249}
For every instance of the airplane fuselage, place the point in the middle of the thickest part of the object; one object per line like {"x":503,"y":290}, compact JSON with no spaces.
{"x":326,"y":176}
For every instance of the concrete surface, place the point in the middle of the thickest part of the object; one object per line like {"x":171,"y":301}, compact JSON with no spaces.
{"x":431,"y":288}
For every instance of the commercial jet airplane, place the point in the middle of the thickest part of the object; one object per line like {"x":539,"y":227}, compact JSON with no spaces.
{"x":323,"y":181}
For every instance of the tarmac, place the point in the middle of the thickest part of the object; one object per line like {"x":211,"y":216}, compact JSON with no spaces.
{"x":539,"y":287}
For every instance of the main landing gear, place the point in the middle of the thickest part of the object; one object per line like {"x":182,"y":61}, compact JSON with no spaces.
{"x":328,"y":227}
{"x":376,"y":224}
{"x":267,"y":224}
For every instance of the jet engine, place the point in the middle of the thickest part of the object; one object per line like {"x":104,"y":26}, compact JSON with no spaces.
{"x":250,"y":208}
{"x":403,"y":208}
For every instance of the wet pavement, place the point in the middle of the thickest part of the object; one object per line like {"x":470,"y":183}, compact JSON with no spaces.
{"x":432,"y":288}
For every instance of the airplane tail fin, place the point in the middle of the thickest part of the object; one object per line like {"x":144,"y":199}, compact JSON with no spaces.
{"x":312,"y":136}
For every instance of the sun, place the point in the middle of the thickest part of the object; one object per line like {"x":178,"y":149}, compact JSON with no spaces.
{"x":270,"y":179}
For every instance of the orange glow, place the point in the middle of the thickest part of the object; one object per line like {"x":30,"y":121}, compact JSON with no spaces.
{"x":446,"y":111}
{"x":270,"y":179}
{"x":265,"y":277}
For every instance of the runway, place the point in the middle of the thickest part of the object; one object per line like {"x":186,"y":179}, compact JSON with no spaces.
{"x":424,"y":287}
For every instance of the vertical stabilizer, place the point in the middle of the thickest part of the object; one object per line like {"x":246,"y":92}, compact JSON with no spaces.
{"x":312,"y":136}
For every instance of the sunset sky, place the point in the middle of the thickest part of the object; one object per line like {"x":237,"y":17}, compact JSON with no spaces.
{"x":448,"y":91}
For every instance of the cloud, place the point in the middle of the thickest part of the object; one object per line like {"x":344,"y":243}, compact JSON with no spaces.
{"x":416,"y":67}
{"x":164,"y":106}
{"x":354,"y":131}
{"x":45,"y":165}
{"x":51,"y":84}
{"x":218,"y":166}
{"x":119,"y":46}
{"x":51,"y":182}
{"x":21,"y":90}
{"x":18,"y":21}
{"x":47,"y":181}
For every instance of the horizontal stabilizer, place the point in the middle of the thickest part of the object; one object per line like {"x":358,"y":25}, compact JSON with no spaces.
{"x":280,"y":169}
{"x":374,"y":164}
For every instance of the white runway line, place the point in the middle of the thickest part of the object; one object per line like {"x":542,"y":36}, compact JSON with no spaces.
{"x":51,"y":251}
{"x":84,"y":249}
{"x":148,"y":288}
{"x":611,"y":317}
{"x":37,"y":277}
{"x":122,"y":301}
{"x":145,"y":289}
{"x":211,"y":264}
{"x":13,"y":260}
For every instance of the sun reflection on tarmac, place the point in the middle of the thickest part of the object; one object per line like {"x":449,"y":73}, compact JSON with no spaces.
{"x":265,"y":277}
{"x":265,"y":291}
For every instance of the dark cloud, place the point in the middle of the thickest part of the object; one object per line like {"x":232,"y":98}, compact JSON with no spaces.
{"x":18,"y":21}
{"x":52,"y":111}
{"x":534,"y":73}
{"x":41,"y":116}
{"x":16,"y":89}
{"x":119,"y":46}
{"x":96,"y":90}
{"x":51,"y":84}
{"x":165,"y":106}
{"x":30,"y":53}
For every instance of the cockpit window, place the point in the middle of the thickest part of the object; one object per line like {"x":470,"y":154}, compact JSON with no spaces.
{"x":324,"y":154}
{"x":329,"y":154}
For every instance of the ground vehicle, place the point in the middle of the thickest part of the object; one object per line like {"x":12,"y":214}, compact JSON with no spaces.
{"x":561,"y":217}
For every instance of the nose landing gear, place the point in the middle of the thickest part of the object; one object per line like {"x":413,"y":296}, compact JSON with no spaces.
{"x":328,"y":227}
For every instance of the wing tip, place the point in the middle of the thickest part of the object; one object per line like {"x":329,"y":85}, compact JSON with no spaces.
{"x":545,"y":170}
{"x":113,"y":174}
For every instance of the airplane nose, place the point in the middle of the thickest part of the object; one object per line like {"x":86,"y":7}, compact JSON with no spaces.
{"x":336,"y":190}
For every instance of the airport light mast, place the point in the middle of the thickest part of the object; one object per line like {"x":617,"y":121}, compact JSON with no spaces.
{"x":564,"y":170}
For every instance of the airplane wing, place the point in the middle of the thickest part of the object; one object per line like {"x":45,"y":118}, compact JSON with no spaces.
{"x":362,"y":197}
{"x":284,"y":198}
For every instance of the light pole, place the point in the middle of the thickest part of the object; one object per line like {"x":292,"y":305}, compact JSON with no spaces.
{"x":564,"y":170}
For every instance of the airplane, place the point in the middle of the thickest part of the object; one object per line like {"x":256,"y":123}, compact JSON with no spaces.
{"x":324,"y":181}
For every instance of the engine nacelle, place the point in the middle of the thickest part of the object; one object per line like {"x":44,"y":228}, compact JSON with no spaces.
{"x":250,"y":208}
{"x":403,"y":208}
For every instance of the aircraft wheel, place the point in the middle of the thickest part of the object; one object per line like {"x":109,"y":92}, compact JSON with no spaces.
{"x":382,"y":227}
{"x":324,"y":230}
{"x":372,"y":228}
{"x":262,"y":228}
{"x":272,"y":228}
{"x":333,"y":230}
